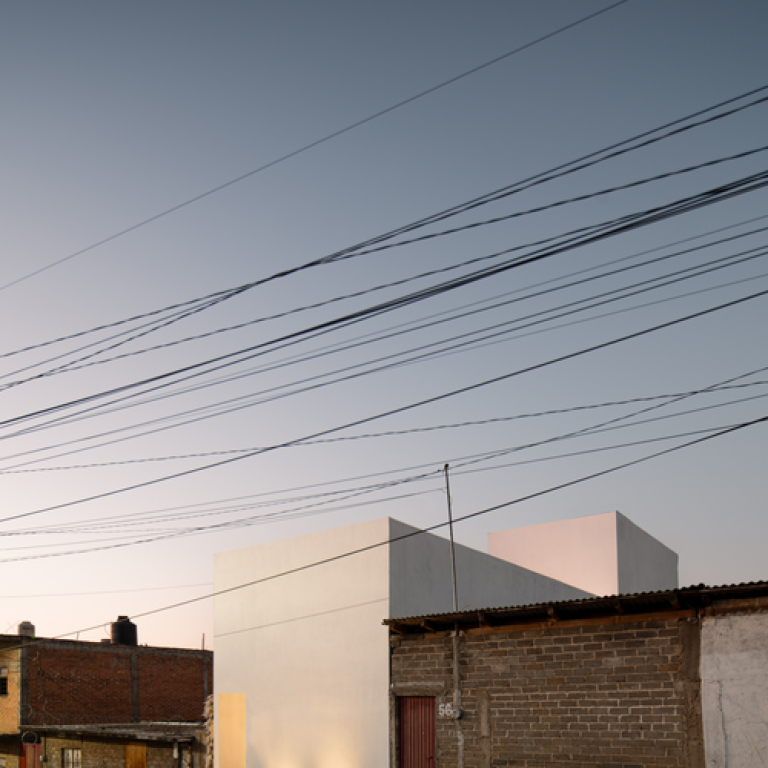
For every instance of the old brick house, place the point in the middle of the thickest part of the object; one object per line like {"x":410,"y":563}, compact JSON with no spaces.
{"x":73,"y":704}
{"x":671,"y":678}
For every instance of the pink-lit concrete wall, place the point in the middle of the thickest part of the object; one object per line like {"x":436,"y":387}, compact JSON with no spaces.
{"x":605,"y":554}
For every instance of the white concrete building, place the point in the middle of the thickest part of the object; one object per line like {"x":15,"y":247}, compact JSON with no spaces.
{"x":302,"y":657}
{"x":604,"y":554}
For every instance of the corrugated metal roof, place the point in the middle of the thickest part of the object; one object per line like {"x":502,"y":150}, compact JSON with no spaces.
{"x":683,"y":598}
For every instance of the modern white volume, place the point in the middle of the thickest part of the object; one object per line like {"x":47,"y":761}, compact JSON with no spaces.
{"x":301,"y":655}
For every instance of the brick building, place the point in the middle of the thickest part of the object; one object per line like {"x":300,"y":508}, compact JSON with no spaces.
{"x":75,"y":704}
{"x":673,"y":678}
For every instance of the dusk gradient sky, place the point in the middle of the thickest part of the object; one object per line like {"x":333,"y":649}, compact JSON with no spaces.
{"x":114,"y":113}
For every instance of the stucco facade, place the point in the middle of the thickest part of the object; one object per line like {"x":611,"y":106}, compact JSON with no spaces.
{"x":734,"y":680}
{"x":307,"y":650}
{"x":605,"y":554}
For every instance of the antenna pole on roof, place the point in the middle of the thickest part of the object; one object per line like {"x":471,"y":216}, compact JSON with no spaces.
{"x":453,"y":552}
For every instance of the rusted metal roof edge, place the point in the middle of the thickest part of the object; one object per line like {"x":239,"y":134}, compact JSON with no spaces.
{"x":683,"y":598}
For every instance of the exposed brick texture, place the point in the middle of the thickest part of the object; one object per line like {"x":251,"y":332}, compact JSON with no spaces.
{"x":9,"y":702}
{"x":609,"y":695}
{"x":68,"y":682}
{"x":108,"y":753}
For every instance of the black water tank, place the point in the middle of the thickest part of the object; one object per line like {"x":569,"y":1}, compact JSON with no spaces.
{"x":124,"y":632}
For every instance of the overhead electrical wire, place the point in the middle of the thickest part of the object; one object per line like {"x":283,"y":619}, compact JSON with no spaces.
{"x":469,"y":516}
{"x":461,"y":518}
{"x":210,"y":414}
{"x":99,"y":525}
{"x":79,"y":363}
{"x":453,"y":314}
{"x":391,"y":412}
{"x":345,"y":494}
{"x":564,"y":169}
{"x":558,"y":171}
{"x":397,"y":359}
{"x":387,"y":433}
{"x":315,"y":143}
{"x":397,"y":363}
{"x":750,"y":183}
{"x":249,"y":519}
{"x":197,"y":530}
{"x":258,"y":398}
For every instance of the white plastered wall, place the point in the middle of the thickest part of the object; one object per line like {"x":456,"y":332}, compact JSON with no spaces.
{"x":734,"y":690}
{"x":301,"y":648}
{"x":421,"y":583}
{"x":604,"y":554}
{"x":645,"y":564}
{"x":309,"y":650}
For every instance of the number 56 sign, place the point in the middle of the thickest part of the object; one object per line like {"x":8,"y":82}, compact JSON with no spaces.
{"x":449,"y":710}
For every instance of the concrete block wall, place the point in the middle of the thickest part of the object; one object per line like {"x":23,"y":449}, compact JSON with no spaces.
{"x":68,"y":682}
{"x":104,"y":752}
{"x":592,"y":695}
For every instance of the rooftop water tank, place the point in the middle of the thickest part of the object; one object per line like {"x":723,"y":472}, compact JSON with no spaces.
{"x":26,"y":629}
{"x":124,"y":632}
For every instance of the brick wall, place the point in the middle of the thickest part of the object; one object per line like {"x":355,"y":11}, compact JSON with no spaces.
{"x":611,"y":695}
{"x":68,"y":682}
{"x":171,"y":687}
{"x":9,"y":703}
{"x":104,"y":753}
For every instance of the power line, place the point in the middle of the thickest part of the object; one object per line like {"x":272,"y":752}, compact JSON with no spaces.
{"x":440,"y":353}
{"x":445,"y":316}
{"x":197,"y":530}
{"x":391,"y":412}
{"x":80,"y":363}
{"x":542,"y":177}
{"x":313,"y":144}
{"x":428,"y":351}
{"x":741,"y":186}
{"x":162,"y":516}
{"x":388,"y":433}
{"x":462,"y":518}
{"x":721,"y":432}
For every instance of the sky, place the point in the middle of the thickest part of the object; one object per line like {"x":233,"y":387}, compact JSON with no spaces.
{"x":159,"y":156}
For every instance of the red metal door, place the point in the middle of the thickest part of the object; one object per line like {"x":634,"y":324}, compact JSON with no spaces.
{"x":417,"y":731}
{"x":31,"y":756}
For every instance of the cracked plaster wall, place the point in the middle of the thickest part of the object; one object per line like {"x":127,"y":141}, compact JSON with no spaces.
{"x":734,"y":679}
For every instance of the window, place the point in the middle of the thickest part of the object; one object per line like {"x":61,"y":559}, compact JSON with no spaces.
{"x":4,"y":682}
{"x":71,"y":758}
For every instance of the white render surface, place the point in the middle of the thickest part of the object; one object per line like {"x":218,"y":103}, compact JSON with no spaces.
{"x":734,"y":683}
{"x":309,"y":650}
{"x":645,"y":564}
{"x":420,"y":578}
{"x":605,"y":554}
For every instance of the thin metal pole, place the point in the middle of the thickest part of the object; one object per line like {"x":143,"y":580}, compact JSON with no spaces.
{"x":453,"y":551}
